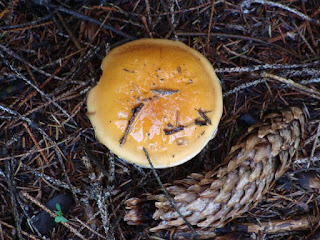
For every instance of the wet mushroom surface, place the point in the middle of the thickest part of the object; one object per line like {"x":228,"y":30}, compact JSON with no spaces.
{"x":156,"y":94}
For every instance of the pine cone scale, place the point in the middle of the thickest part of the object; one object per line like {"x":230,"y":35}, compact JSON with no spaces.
{"x":261,"y":156}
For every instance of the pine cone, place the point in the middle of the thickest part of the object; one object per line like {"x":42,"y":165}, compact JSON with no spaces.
{"x":212,"y":199}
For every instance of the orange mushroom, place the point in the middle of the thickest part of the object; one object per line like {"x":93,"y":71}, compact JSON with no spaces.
{"x":156,"y":94}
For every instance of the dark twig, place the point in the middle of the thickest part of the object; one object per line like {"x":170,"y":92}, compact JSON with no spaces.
{"x":134,"y":111}
{"x":12,"y":191}
{"x":206,"y":120}
{"x":166,"y":193}
{"x":173,"y":130}
{"x":305,"y":40}
{"x":204,"y":116}
{"x":85,"y":57}
{"x":27,"y":25}
{"x":70,"y":33}
{"x":35,"y":142}
{"x":266,"y":66}
{"x":247,"y":3}
{"x":56,"y":182}
{"x":56,"y":147}
{"x":36,"y":88}
{"x":210,"y":25}
{"x":200,"y":122}
{"x":92,"y":157}
{"x":226,"y":35}
{"x":311,"y":92}
{"x":86,"y":18}
{"x":16,"y":56}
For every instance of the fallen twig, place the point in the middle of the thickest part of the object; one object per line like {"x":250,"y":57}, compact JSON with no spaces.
{"x":16,"y":56}
{"x":37,"y":88}
{"x":247,"y":3}
{"x":226,"y":35}
{"x":84,"y":17}
{"x":313,"y":93}
{"x":280,"y":226}
{"x":135,"y":111}
{"x":52,"y":214}
{"x":23,"y":232}
{"x":167,"y":194}
{"x":35,"y":142}
{"x":270,"y":227}
{"x":13,"y":192}
{"x":243,"y":86}
{"x":264,"y":67}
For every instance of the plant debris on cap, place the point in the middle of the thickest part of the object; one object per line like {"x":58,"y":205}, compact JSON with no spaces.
{"x":156,"y":94}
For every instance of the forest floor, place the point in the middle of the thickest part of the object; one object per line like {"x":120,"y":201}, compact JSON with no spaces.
{"x":265,"y":53}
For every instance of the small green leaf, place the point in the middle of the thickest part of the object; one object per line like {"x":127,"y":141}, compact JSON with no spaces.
{"x":59,"y":219}
{"x":58,"y":207}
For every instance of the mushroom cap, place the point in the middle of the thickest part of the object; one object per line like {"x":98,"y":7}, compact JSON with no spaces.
{"x":156,"y":94}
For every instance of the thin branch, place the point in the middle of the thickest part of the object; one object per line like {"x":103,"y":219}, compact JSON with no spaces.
{"x":166,"y":193}
{"x":203,"y":114}
{"x":12,"y":191}
{"x":173,"y":130}
{"x":53,"y":215}
{"x":23,"y":232}
{"x":70,"y":33}
{"x":134,"y":111}
{"x":226,"y":35}
{"x":265,"y":66}
{"x":16,"y":56}
{"x":210,"y":25}
{"x":305,"y":40}
{"x":271,"y":227}
{"x":243,"y":86}
{"x":85,"y":18}
{"x":311,"y":92}
{"x":36,"y":88}
{"x":56,"y":147}
{"x":280,"y":226}
{"x":89,"y":228}
{"x":247,"y":3}
{"x":35,"y":142}
{"x":242,"y":55}
{"x":28,"y":25}
{"x":315,"y":142}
